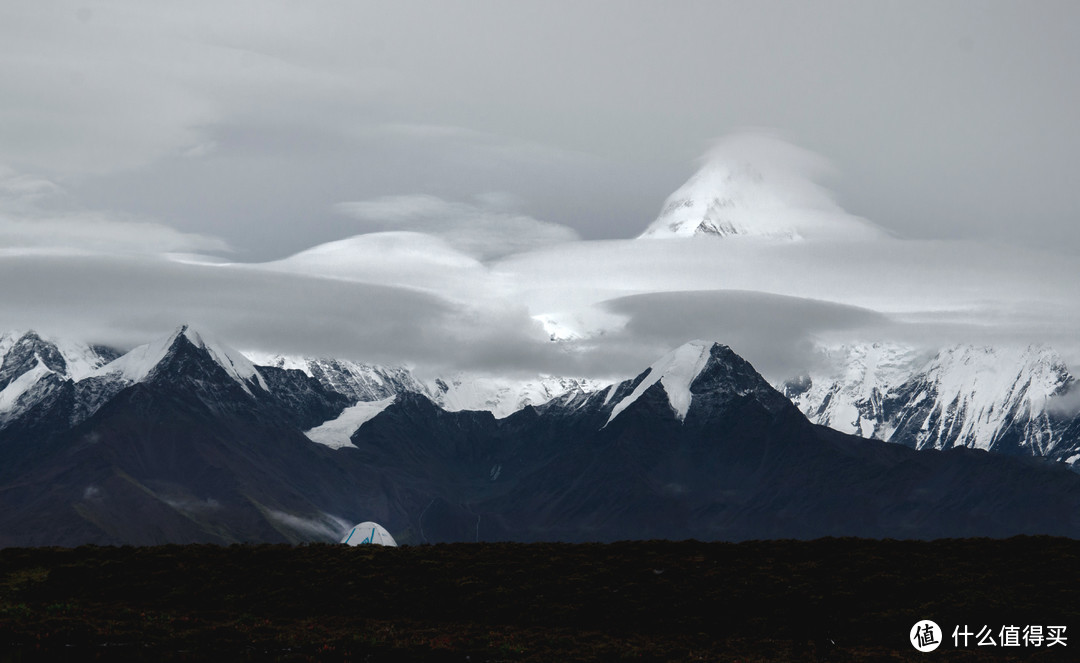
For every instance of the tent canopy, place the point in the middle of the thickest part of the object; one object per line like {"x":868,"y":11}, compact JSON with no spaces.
{"x":368,"y":532}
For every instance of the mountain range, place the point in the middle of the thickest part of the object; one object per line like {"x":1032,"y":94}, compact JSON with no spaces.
{"x":187,"y":440}
{"x":1008,"y":400}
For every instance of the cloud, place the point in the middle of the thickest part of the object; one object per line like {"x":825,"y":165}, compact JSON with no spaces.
{"x":484,"y":229}
{"x":464,"y":285}
{"x":201,"y":149}
{"x":1066,"y":404}
{"x":775,"y":333}
{"x":98,"y":232}
{"x":124,"y":88}
{"x":22,"y":189}
{"x":326,"y":527}
{"x":128,"y":300}
{"x":754,"y":183}
{"x":29,"y":222}
{"x":792,"y":173}
{"x":398,"y":259}
{"x":192,"y":505}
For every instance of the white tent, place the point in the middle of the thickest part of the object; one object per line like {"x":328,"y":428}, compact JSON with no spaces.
{"x":369,"y":532}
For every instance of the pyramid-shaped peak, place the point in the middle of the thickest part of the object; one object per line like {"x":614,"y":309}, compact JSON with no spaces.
{"x":676,"y":371}
{"x":757,"y":186}
{"x":139,"y":363}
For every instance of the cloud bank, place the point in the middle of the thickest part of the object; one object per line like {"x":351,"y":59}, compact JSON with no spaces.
{"x":484,"y":229}
{"x":478,"y":286}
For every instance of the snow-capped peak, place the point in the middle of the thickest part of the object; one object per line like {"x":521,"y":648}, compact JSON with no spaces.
{"x":140,"y":362}
{"x":972,"y":396}
{"x":676,"y":371}
{"x":22,"y":351}
{"x":992,"y":385}
{"x":755,"y":186}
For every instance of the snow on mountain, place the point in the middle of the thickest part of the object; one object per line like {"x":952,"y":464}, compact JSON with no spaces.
{"x":971,"y":396}
{"x":25,"y":353}
{"x":139,"y":363}
{"x":675,"y":371}
{"x":83,"y":360}
{"x":336,"y":433}
{"x":361,"y":382}
{"x":992,"y":398}
{"x":288,"y":362}
{"x":503,"y":396}
{"x":460,"y":391}
{"x":848,"y":394}
{"x":732,"y":195}
{"x":8,"y":339}
{"x":26,"y":359}
{"x":10,"y":395}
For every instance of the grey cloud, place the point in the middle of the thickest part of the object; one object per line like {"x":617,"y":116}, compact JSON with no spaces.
{"x":30,"y":219}
{"x":100,"y":232}
{"x":950,"y":122}
{"x":482,"y":229}
{"x":325,"y":527}
{"x":201,"y":127}
{"x":1066,"y":404}
{"x":775,"y":333}
{"x":127,"y":301}
{"x":20,"y":189}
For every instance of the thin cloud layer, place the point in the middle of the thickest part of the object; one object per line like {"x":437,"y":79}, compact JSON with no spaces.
{"x":775,"y":333}
{"x":755,"y":184}
{"x":33,"y":219}
{"x":484,"y":229}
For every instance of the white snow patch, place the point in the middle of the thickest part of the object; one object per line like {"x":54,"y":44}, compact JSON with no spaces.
{"x":964,"y":395}
{"x":235,"y":364}
{"x":503,"y":396}
{"x":675,"y":371}
{"x":80,"y":359}
{"x":288,"y":362}
{"x":20,"y":385}
{"x":336,"y":432}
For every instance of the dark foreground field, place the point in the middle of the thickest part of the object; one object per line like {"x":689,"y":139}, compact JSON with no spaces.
{"x":642,"y":601}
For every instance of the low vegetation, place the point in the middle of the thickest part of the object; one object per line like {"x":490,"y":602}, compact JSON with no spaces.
{"x":830,"y":599}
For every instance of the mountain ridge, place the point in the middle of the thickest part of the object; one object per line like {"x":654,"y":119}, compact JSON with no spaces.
{"x":997,"y":399}
{"x":701,"y":447}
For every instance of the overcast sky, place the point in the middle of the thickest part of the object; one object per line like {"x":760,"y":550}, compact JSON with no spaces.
{"x":385,"y":177}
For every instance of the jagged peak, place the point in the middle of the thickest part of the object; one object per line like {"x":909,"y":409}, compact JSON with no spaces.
{"x":964,"y":394}
{"x":983,"y":372}
{"x":676,"y":372}
{"x":140,"y":362}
